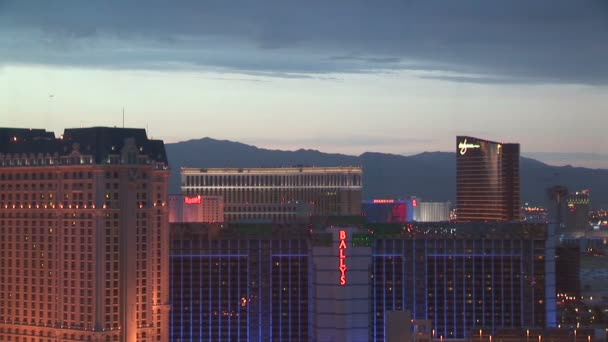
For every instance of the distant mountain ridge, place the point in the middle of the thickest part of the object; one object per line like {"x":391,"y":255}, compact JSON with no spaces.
{"x":429,"y":175}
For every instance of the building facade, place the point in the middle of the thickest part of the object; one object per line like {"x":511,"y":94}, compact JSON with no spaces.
{"x":278,"y":194}
{"x":337,"y":281}
{"x":462,"y":277}
{"x":577,"y":214}
{"x":84,"y":236}
{"x":389,"y":210}
{"x":243,"y":283}
{"x":487,"y":180}
{"x":432,"y":211}
{"x":197,"y":208}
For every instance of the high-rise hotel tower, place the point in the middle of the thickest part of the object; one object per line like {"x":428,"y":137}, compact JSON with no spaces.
{"x":83,"y":236}
{"x":487,"y":180}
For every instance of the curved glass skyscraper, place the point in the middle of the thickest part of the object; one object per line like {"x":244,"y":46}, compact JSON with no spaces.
{"x":487,"y":180}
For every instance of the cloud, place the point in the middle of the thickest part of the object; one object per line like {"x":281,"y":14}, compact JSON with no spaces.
{"x":521,"y":41}
{"x":481,"y":79}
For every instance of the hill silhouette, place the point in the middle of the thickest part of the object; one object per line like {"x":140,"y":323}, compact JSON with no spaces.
{"x":429,"y":175}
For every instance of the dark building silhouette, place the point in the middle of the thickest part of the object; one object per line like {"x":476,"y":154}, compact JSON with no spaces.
{"x":487,"y":180}
{"x":577,"y":213}
{"x":84,"y":236}
{"x":568,"y":268}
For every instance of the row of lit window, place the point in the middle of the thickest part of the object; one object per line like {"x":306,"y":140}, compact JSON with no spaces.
{"x":274,"y":180}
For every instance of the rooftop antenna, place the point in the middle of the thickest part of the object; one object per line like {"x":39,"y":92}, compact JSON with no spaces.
{"x":49,"y":110}
{"x":123,"y":117}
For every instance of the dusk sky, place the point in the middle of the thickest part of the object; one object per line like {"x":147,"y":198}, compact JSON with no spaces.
{"x":339,"y":76}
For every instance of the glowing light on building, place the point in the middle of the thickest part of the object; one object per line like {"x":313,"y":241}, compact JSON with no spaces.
{"x":192,"y":200}
{"x":464,"y":146}
{"x":384,"y":201}
{"x":342,"y":250}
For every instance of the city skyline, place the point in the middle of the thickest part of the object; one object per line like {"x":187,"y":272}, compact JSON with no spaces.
{"x":90,"y":251}
{"x":400,"y":78}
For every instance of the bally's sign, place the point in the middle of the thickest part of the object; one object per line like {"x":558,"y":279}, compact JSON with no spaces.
{"x":342,"y":257}
{"x":463,"y":146}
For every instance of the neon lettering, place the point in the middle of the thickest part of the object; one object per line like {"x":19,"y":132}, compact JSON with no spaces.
{"x":193,"y":200}
{"x":383,"y":201}
{"x":464,"y":146}
{"x":342,"y":257}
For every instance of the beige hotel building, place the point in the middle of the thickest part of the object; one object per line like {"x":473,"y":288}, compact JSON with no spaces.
{"x":83,"y":236}
{"x":281,"y":194}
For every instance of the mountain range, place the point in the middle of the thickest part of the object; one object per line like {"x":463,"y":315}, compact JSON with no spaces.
{"x":429,"y":175}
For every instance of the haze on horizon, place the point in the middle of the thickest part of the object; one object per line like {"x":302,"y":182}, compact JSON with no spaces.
{"x":342,"y":76}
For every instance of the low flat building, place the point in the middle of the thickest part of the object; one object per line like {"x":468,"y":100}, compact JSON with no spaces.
{"x":278,"y":194}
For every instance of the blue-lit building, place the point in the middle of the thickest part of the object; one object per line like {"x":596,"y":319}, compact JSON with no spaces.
{"x":390,"y":210}
{"x":334,"y":280}
{"x":462,"y":276}
{"x":243,"y":283}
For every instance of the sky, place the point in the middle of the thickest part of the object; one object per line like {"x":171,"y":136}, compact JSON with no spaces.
{"x":338,"y":76}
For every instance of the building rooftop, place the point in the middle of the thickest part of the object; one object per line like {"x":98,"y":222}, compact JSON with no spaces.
{"x":464,"y":137}
{"x":274,"y":170}
{"x":99,"y":142}
{"x":368,"y":232}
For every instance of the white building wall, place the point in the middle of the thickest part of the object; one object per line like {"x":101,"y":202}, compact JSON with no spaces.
{"x":341,"y":312}
{"x":432,"y":211}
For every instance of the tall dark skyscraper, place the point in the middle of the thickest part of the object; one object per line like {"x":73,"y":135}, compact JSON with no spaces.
{"x":487,"y":180}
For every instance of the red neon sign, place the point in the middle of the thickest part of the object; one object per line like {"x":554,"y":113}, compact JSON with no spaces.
{"x":341,"y":250}
{"x":414,"y":203}
{"x":193,"y":200}
{"x":384,"y":201}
